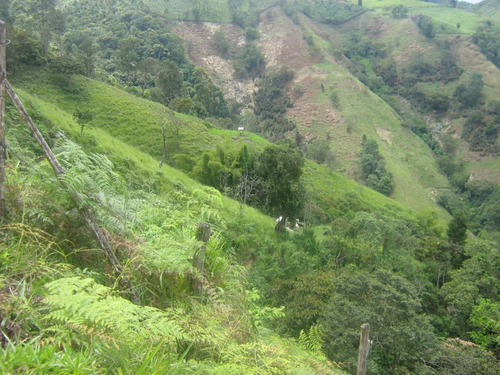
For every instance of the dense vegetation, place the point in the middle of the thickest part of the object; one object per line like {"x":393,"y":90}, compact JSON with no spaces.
{"x":429,"y":289}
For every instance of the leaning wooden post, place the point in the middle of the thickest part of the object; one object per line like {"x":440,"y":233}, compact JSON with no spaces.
{"x":203,"y":235}
{"x":97,"y":232}
{"x":3,"y":146}
{"x":364,"y":347}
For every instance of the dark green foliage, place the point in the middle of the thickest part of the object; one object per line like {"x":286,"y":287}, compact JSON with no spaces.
{"x":221,"y":43}
{"x":5,"y":10}
{"x":470,"y":94}
{"x":457,"y":229}
{"x":477,"y":278}
{"x":271,"y":100}
{"x":305,"y":298}
{"x":169,"y":81}
{"x":281,"y":169}
{"x":208,"y":94}
{"x":251,"y":34}
{"x":23,"y":50}
{"x":128,"y":55}
{"x":63,"y":68}
{"x":399,"y":11}
{"x":430,"y":99}
{"x":426,"y":26}
{"x":251,"y":62}
{"x":481,"y":132}
{"x":386,"y":68}
{"x":373,"y":168}
{"x":488,"y":42}
{"x":242,"y":17}
{"x":319,"y":150}
{"x":402,"y":338}
{"x":271,"y":103}
{"x":459,"y":357}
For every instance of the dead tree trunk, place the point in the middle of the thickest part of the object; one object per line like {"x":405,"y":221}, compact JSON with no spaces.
{"x":3,"y":146}
{"x":97,"y":232}
{"x":202,"y":235}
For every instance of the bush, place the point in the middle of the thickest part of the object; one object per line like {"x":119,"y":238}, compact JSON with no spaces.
{"x":426,"y":26}
{"x":221,"y":43}
{"x":251,"y":34}
{"x":399,"y":11}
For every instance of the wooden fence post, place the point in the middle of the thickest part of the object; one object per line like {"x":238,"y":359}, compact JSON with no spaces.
{"x":364,"y":347}
{"x":3,"y":146}
{"x":203,"y":235}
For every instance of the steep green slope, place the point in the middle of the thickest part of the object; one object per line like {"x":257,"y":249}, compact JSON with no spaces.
{"x":356,"y":111}
{"x":137,"y":123}
{"x":151,"y":215}
{"x":489,"y":9}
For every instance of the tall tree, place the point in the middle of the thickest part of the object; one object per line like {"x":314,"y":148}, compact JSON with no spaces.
{"x":402,"y":338}
{"x":43,"y":13}
{"x":169,"y":80}
{"x":281,"y":169}
{"x":128,"y":55}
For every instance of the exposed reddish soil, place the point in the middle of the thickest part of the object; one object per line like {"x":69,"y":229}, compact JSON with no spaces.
{"x":198,"y":42}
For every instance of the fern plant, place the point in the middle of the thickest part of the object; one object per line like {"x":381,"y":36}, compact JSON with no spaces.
{"x":313,"y":340}
{"x":92,"y":311}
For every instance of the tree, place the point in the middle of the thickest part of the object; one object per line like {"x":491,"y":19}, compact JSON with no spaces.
{"x":43,"y":13}
{"x":457,"y":229}
{"x":426,"y":26}
{"x":252,"y":61}
{"x":221,"y":43}
{"x":128,"y":55}
{"x":86,"y":54}
{"x":208,"y":95}
{"x":402,"y":338}
{"x":148,"y":70}
{"x":319,"y":150}
{"x":470,"y":94}
{"x":373,"y":167}
{"x":83,"y":118}
{"x":169,"y":80}
{"x":5,"y":10}
{"x":281,"y":169}
{"x":59,"y":28}
{"x":485,"y":318}
{"x":478,"y":277}
{"x":399,"y":11}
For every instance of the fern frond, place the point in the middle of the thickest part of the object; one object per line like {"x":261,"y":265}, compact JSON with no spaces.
{"x":313,"y":340}
{"x":90,"y":308}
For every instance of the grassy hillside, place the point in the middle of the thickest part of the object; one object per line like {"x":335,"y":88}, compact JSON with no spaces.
{"x":123,"y":120}
{"x":203,"y":10}
{"x":489,"y":9}
{"x":104,"y":343}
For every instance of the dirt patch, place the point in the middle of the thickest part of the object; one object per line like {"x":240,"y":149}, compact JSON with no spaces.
{"x":282,"y":42}
{"x":385,"y":135}
{"x":198,"y":42}
{"x":377,"y":28}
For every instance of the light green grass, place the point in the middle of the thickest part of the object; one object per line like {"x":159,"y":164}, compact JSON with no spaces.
{"x":450,"y":17}
{"x":146,"y":165}
{"x":407,"y":156}
{"x":390,"y":3}
{"x":209,"y":10}
{"x":111,"y":135}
